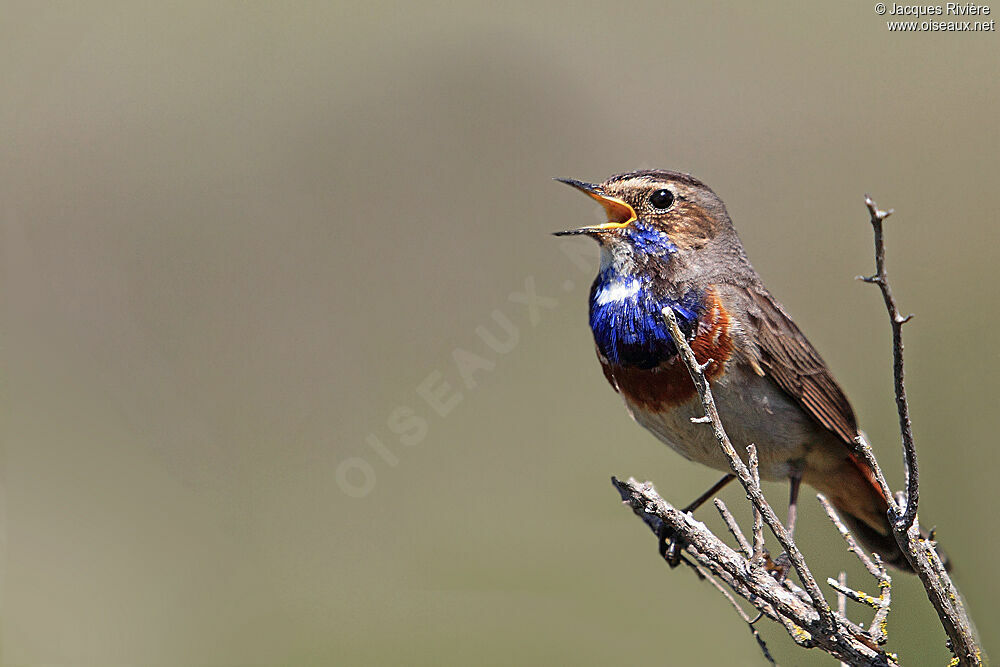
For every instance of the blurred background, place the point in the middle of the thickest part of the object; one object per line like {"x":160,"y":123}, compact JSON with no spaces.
{"x":275,"y":393}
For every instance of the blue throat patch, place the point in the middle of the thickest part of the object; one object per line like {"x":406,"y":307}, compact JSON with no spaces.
{"x":626,"y":318}
{"x":649,"y":241}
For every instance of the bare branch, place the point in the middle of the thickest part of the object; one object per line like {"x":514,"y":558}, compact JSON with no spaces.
{"x":753,"y":490}
{"x":842,"y":603}
{"x":874,"y":565}
{"x":758,"y":519}
{"x":865,"y":450}
{"x":902,"y":406}
{"x":841,"y":598}
{"x":857,"y":596}
{"x":768,"y":595}
{"x":852,"y":544}
{"x":877,"y":629}
{"x":734,"y":528}
{"x":705,"y":574}
{"x":920,"y":552}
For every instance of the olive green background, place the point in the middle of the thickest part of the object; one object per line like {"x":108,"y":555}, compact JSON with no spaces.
{"x":239,"y":237}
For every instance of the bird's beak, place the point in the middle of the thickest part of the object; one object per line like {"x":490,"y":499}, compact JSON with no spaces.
{"x":620,"y":214}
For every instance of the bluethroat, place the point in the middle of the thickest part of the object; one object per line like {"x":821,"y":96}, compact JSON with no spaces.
{"x":669,"y":243}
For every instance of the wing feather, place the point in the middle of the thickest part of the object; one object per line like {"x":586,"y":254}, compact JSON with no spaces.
{"x":795,"y":365}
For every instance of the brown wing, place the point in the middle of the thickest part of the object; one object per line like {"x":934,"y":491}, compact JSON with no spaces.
{"x":791,"y":361}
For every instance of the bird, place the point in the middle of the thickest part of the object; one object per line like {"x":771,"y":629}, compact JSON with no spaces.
{"x":669,"y":242}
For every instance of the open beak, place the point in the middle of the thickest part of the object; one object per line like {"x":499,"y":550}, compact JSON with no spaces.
{"x":620,"y":214}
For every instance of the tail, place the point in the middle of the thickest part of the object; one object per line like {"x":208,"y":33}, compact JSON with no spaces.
{"x":860,"y":501}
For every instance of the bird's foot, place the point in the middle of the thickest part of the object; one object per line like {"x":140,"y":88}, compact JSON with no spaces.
{"x":779,"y":567}
{"x":669,"y":545}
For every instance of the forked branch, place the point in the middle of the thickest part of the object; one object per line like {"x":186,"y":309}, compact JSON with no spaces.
{"x":920,"y":551}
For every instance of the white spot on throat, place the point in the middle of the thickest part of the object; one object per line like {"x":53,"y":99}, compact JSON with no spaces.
{"x":616,"y":289}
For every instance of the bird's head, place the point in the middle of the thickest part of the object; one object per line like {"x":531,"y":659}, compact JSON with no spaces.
{"x":654,"y":214}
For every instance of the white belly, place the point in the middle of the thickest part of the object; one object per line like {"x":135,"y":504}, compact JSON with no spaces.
{"x":753,"y":410}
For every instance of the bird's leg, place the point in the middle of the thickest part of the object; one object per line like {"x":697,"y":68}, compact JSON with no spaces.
{"x":783,"y":563}
{"x":718,"y":486}
{"x":670,"y":548}
{"x":793,"y":501}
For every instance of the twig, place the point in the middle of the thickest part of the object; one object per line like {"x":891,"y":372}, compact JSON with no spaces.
{"x":852,"y":544}
{"x":758,"y":518}
{"x":920,"y":552}
{"x":734,"y":528}
{"x":755,"y":586}
{"x":753,"y":490}
{"x":842,"y":603}
{"x":842,"y":640}
{"x":877,"y":629}
{"x":865,"y":450}
{"x":857,"y":596}
{"x":897,"y":321}
{"x":841,"y":598}
{"x":705,"y":574}
{"x":874,"y":565}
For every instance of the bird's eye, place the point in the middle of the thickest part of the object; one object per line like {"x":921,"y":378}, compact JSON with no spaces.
{"x":661,"y":199}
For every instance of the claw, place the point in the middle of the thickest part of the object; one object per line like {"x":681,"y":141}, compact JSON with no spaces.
{"x":668,"y":546}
